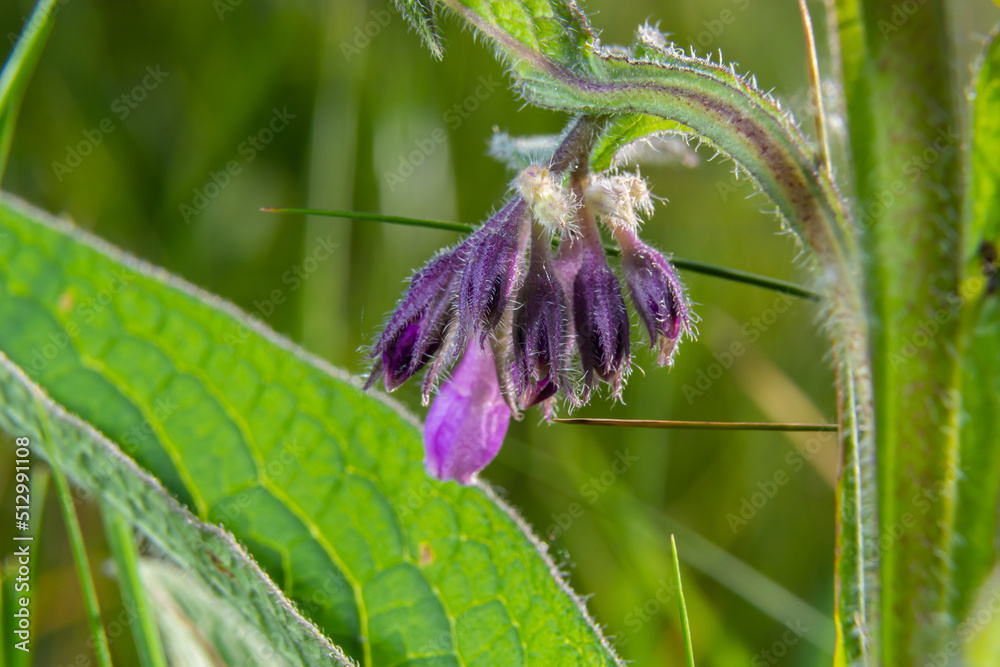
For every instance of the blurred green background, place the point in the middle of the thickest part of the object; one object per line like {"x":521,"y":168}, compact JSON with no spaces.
{"x":163,"y":127}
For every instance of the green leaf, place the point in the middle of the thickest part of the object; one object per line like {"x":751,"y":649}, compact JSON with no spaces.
{"x":857,"y":606}
{"x":323,"y":482}
{"x":530,"y":34}
{"x":984,"y":198}
{"x":626,"y":130}
{"x":978,"y":486}
{"x":420,"y":15}
{"x":17,"y":71}
{"x":198,"y":630}
{"x":210,"y":554}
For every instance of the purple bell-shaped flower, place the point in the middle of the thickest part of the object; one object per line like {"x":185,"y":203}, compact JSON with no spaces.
{"x":493,"y":264}
{"x":599,"y":313}
{"x":541,"y":332}
{"x":467,"y":420}
{"x":416,"y":329}
{"x":539,"y":315}
{"x":657,"y":294}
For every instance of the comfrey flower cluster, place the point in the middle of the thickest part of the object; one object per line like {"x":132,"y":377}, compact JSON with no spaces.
{"x":529,"y":324}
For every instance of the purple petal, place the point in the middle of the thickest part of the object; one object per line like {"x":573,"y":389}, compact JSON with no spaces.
{"x":657,"y":294}
{"x":599,"y":313}
{"x":602,"y":325}
{"x":493,"y":254}
{"x":468,"y":420}
{"x":416,"y":329}
{"x":541,"y":332}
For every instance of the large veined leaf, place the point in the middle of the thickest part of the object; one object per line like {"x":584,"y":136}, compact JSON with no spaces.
{"x":208,"y":554}
{"x":322,"y":482}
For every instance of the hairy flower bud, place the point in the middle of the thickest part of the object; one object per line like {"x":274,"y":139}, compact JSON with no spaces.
{"x":599,"y":312}
{"x":540,"y":332}
{"x":493,"y":256}
{"x":416,"y":329}
{"x":468,"y":420}
{"x":657,"y":294}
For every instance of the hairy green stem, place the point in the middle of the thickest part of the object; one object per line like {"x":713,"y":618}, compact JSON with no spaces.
{"x":904,"y":129}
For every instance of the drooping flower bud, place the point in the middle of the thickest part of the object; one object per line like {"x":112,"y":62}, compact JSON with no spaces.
{"x":416,"y":329}
{"x":599,"y":312}
{"x":657,"y":294}
{"x":467,"y":420}
{"x":493,"y":257}
{"x":540,"y":332}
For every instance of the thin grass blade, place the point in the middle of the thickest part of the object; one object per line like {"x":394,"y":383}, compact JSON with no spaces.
{"x":698,"y":426}
{"x":735,"y":275}
{"x":79,"y":550}
{"x":17,"y":71}
{"x":685,"y":626}
{"x":122,"y":542}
